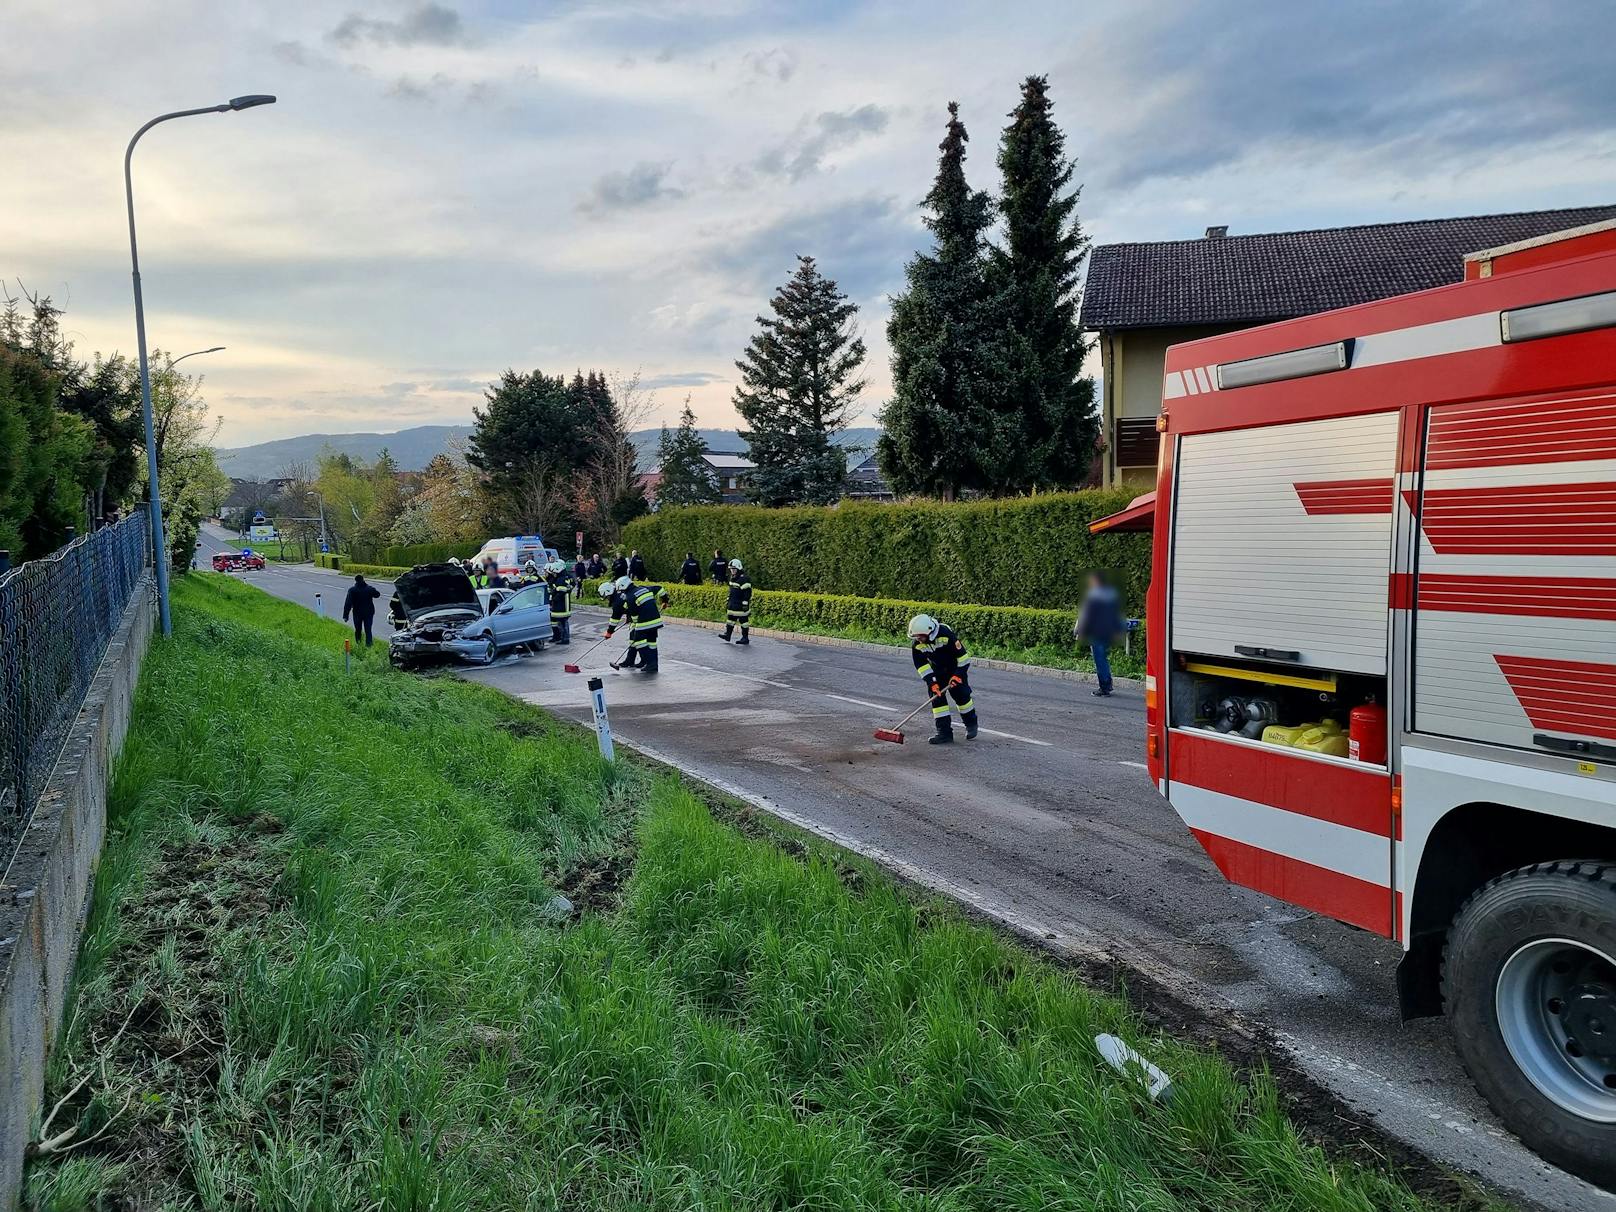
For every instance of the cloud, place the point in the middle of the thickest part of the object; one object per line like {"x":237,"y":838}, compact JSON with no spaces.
{"x":1291,"y":81}
{"x":425,"y":25}
{"x":683,"y":378}
{"x":641,"y":185}
{"x":804,"y":153}
{"x":776,"y":64}
{"x":861,"y":242}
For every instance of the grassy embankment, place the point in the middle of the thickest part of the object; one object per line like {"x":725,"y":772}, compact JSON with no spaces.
{"x":324,"y":970}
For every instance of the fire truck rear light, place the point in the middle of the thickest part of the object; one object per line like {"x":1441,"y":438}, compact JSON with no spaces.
{"x":1153,"y":746}
{"x":1397,"y":793}
{"x":1294,"y":364}
{"x":1558,"y":319}
{"x":1152,"y":698}
{"x":1161,"y":422}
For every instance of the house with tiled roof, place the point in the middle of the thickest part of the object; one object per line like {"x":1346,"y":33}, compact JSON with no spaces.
{"x":1141,"y":298}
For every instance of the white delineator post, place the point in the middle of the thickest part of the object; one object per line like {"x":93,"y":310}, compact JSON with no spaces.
{"x":603,"y":726}
{"x":319,"y":605}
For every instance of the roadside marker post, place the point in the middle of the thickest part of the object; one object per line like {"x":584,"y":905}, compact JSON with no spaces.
{"x":603,"y":726}
{"x":347,"y":656}
{"x":319,"y":605}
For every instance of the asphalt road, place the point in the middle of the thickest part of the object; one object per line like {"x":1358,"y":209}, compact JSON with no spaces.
{"x":1047,"y":822}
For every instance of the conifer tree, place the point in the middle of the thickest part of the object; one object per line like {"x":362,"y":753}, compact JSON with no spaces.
{"x":686,"y":477}
{"x":798,"y":389}
{"x":1034,"y":275}
{"x":939,"y":428}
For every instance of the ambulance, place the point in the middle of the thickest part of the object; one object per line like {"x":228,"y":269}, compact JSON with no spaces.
{"x":1382,"y":667}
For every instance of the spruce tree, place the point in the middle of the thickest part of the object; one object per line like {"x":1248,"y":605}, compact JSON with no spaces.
{"x":1034,"y":274}
{"x":798,"y":389}
{"x":938,"y":431}
{"x":686,"y":477}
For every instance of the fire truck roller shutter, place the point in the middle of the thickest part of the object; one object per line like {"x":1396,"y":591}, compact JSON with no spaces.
{"x":1283,"y":538}
{"x":1515,"y":622}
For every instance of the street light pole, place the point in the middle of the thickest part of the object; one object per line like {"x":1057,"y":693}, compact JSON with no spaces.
{"x":159,"y":556}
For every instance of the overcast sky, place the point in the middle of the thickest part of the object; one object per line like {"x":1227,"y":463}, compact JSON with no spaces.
{"x":450,"y":188}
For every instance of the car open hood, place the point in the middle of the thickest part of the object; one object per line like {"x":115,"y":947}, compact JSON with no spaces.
{"x":434,"y":588}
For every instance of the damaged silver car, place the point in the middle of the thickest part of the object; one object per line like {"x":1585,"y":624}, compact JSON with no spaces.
{"x":439,"y":615}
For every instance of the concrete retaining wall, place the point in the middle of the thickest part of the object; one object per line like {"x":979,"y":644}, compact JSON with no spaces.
{"x":47,"y":890}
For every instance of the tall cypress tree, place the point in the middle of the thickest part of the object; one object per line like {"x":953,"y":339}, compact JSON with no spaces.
{"x":938,"y":431}
{"x":686,"y":477}
{"x":798,"y":389}
{"x":1035,"y":279}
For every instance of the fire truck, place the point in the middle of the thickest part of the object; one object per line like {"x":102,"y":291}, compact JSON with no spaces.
{"x":1382,"y":667}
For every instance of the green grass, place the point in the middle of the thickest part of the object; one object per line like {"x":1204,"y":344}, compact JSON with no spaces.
{"x":323,"y":970}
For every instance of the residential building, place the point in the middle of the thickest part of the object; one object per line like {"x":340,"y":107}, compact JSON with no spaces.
{"x":864,"y":479}
{"x":1141,"y":298}
{"x":732,"y":471}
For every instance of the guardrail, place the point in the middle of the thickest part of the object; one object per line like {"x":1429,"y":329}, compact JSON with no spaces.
{"x":57,"y":615}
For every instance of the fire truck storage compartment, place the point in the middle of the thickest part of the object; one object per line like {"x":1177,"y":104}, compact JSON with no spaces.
{"x":1308,"y":711}
{"x":1283,"y":541}
{"x":1515,"y":606}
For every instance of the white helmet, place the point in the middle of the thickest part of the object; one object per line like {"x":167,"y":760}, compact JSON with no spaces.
{"x":736,"y":565}
{"x":530,"y":566}
{"x":923,"y":627}
{"x":606,"y":589}
{"x":623,"y":583}
{"x":553,"y":566}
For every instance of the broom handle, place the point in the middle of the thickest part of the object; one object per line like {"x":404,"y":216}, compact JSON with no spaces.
{"x":929,"y":701}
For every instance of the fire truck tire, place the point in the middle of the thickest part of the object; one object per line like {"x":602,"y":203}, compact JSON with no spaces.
{"x":1529,"y":986}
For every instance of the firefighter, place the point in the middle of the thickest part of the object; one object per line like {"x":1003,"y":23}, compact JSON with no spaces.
{"x":739,"y":611}
{"x":479,"y":578}
{"x":641,"y":603}
{"x":530,"y":573}
{"x":560,"y":601}
{"x":944,"y":665}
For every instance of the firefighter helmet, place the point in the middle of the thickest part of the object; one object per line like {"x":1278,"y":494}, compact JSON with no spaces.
{"x":923,"y":627}
{"x":606,"y":589}
{"x":623,"y":584}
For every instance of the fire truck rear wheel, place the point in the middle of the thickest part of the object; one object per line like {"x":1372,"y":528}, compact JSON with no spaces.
{"x":1529,"y":985}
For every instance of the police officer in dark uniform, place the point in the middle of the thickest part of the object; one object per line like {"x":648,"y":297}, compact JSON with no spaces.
{"x":739,"y":608}
{"x":944,"y":665}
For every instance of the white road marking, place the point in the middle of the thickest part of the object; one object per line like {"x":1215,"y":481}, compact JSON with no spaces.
{"x":1135,"y":765}
{"x":1010,"y":736}
{"x":842,"y":698}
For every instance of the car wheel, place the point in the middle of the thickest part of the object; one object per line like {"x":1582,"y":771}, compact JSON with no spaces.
{"x":1529,"y":983}
{"x":490,"y":651}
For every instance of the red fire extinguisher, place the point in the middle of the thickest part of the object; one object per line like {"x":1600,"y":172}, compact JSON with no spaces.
{"x":1366,"y":733}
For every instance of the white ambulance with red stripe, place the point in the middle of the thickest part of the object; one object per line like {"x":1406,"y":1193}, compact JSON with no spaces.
{"x":1382,"y":669}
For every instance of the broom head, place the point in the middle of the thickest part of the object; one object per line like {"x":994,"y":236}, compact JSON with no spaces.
{"x":895,"y":735}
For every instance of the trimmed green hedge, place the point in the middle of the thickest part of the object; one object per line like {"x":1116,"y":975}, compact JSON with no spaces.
{"x":412,"y":554}
{"x":1011,"y":626}
{"x":1031,"y":551}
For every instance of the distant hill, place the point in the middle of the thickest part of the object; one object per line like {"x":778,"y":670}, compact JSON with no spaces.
{"x":414,"y":448}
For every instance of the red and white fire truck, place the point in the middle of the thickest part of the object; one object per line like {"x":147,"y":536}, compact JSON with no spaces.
{"x":1382,"y":669}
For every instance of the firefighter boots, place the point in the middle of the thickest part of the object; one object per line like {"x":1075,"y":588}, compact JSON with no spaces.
{"x":944,"y":734}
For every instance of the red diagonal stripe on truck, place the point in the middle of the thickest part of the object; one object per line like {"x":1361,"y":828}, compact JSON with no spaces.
{"x":1345,"y":496}
{"x":1522,"y":519}
{"x":1491,"y":434}
{"x":1535,"y":597}
{"x":1575,"y":697}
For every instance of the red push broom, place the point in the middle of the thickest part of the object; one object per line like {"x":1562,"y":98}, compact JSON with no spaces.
{"x":895,"y":735}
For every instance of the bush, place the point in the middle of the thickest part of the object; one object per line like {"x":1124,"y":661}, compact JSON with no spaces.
{"x":1010,"y":626}
{"x":1031,"y":551}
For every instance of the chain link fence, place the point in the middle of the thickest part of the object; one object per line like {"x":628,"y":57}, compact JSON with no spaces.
{"x":57,"y":615}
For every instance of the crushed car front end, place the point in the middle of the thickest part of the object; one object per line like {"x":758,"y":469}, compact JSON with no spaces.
{"x":439,"y":609}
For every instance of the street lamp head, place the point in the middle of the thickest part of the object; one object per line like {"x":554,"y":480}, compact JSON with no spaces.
{"x":250,"y":100}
